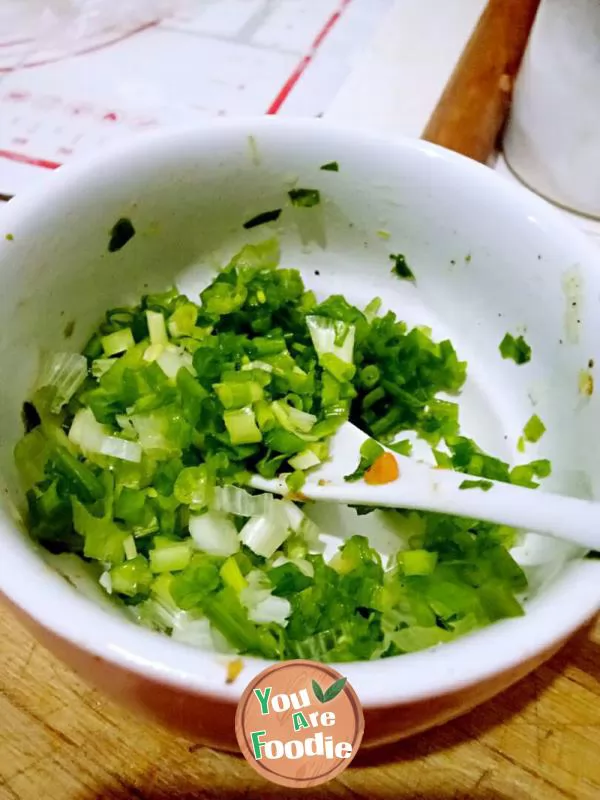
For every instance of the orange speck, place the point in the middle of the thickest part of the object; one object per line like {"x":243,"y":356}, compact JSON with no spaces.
{"x":384,"y":470}
{"x":233,"y":670}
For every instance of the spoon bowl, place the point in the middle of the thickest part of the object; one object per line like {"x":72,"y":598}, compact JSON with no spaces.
{"x":424,"y":487}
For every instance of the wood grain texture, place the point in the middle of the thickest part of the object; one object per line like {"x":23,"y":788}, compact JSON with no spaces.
{"x":473,"y":107}
{"x":60,"y":740}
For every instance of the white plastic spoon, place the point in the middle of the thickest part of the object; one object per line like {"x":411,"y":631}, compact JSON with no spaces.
{"x":425,"y":488}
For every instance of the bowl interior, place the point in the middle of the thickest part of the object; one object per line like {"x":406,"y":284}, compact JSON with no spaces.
{"x":487,"y":260}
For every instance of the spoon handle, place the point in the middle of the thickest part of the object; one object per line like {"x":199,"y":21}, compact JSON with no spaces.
{"x":566,"y":518}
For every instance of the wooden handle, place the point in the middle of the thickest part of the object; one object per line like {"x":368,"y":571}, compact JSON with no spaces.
{"x":474,"y":105}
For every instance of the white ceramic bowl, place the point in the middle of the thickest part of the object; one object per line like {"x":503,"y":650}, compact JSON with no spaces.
{"x":188,"y":194}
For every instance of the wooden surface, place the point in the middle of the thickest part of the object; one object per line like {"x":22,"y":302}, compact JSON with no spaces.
{"x":60,"y":740}
{"x":473,"y":107}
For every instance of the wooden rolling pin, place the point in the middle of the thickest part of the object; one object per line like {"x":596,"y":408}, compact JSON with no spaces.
{"x":473,"y":107}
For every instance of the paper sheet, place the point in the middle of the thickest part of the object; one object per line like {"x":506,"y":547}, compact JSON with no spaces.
{"x":219,"y":57}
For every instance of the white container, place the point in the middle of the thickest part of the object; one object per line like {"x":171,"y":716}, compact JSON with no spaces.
{"x":488,"y":258}
{"x":552,"y":141}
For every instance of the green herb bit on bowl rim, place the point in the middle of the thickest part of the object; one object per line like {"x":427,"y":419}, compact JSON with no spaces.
{"x":401,"y":268}
{"x":534,"y":429}
{"x":305,"y":198}
{"x":515,"y":348}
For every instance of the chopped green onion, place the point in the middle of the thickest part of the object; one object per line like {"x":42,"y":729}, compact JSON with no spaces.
{"x":32,"y":453}
{"x":485,"y":486}
{"x":130,"y":548}
{"x":403,"y":448}
{"x":172,"y":359}
{"x":369,"y":376}
{"x":282,"y":416}
{"x":541,"y":468}
{"x":332,"y":336}
{"x":214,"y":533}
{"x":252,"y":365}
{"x":305,"y":197}
{"x":94,"y":438}
{"x":261,"y":219}
{"x":192,"y":487}
{"x":517,"y":349}
{"x":154,"y":352}
{"x":117,"y":342}
{"x":131,"y":578}
{"x":157,"y":328}
{"x":103,"y":540}
{"x":115,"y":447}
{"x":168,"y":556}
{"x":100,"y":366}
{"x":523,"y":475}
{"x":296,"y":481}
{"x":64,"y":373}
{"x":342,"y":371}
{"x":241,"y":426}
{"x":232,"y":575}
{"x":271,"y":609}
{"x":305,"y":460}
{"x":240,"y":503}
{"x":264,"y":535}
{"x":370,"y":451}
{"x":185,"y":399}
{"x":401,"y":268}
{"x":534,"y":429}
{"x":443,"y":460}
{"x":182,"y":321}
{"x":372,"y":309}
{"x":237,"y":395}
{"x":292,"y":419}
{"x":120,"y":234}
{"x":264,"y":255}
{"x":418,"y":562}
{"x":161,"y":432}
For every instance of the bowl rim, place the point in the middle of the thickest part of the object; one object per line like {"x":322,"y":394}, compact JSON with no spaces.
{"x":569,"y":603}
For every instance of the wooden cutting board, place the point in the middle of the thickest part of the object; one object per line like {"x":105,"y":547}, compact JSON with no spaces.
{"x":61,"y":740}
